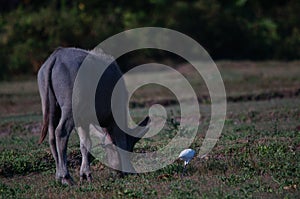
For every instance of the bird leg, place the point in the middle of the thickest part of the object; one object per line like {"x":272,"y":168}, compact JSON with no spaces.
{"x":184,"y":168}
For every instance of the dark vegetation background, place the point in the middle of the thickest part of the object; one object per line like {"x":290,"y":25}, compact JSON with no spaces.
{"x":228,"y":29}
{"x":253,"y":43}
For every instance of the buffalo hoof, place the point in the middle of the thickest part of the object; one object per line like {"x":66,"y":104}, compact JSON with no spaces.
{"x":88,"y":178}
{"x":67,"y":181}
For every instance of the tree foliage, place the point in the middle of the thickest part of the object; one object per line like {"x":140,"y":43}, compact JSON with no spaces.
{"x":228,"y":29}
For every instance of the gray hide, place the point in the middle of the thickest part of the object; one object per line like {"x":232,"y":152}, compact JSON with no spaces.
{"x":56,"y":80}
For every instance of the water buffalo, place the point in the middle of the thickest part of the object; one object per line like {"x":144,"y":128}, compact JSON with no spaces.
{"x":56,"y":79}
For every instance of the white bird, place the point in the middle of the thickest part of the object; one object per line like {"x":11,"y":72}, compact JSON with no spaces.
{"x":186,"y":155}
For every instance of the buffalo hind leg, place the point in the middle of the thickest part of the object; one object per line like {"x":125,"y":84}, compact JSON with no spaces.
{"x":62,"y":134}
{"x":53,"y":122}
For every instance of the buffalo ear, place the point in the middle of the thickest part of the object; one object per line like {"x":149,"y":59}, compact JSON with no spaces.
{"x":138,"y":132}
{"x":145,"y":122}
{"x":142,"y":128}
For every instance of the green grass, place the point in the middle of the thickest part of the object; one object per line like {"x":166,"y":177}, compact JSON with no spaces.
{"x":257,"y":155}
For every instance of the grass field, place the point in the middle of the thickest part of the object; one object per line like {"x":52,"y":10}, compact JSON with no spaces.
{"x":257,"y":155}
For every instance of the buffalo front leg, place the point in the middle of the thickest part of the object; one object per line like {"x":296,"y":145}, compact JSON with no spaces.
{"x":62,"y":134}
{"x":122,"y":148}
{"x":85,"y":146}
